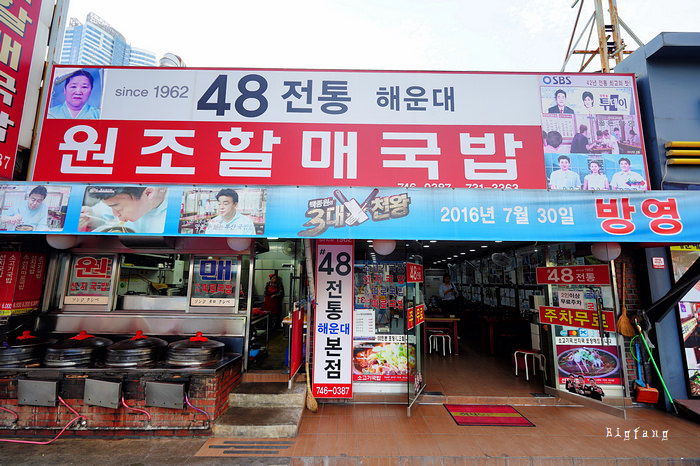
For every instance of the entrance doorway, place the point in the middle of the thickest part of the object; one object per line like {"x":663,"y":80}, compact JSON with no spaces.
{"x":495,"y":282}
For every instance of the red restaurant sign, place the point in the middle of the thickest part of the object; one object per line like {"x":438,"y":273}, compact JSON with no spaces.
{"x":574,"y":275}
{"x":582,"y":318}
{"x":18,"y":26}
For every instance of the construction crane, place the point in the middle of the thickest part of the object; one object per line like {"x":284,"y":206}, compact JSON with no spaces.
{"x":611,"y":46}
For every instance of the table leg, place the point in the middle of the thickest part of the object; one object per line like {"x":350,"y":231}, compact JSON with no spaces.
{"x":456,"y":336}
{"x":425,"y":338}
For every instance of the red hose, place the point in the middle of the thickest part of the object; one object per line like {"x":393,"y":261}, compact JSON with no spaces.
{"x":10,"y":411}
{"x":136,"y":409}
{"x":32,"y":442}
{"x":197,"y":409}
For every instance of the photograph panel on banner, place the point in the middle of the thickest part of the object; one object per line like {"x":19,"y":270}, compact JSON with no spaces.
{"x":592,"y":134}
{"x":76,"y":94}
{"x":124,"y":209}
{"x":223,"y":211}
{"x":27,"y":207}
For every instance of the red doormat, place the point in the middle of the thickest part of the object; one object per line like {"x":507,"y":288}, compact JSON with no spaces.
{"x":487,"y":415}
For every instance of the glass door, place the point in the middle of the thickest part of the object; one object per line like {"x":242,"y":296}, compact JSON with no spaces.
{"x":415,"y":311}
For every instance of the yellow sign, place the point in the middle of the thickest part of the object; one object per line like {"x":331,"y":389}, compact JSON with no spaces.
{"x":686,"y":247}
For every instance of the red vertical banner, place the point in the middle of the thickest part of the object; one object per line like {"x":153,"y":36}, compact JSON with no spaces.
{"x":8,"y":276}
{"x":332,"y":377}
{"x":297,"y":346}
{"x":420,"y":314}
{"x":21,"y":279}
{"x":410,"y":316}
{"x":18,"y":24}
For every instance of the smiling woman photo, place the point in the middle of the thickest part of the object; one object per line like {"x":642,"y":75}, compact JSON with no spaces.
{"x":77,"y":89}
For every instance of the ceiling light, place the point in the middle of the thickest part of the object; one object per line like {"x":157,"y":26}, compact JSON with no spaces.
{"x":498,"y":241}
{"x":462,"y":253}
{"x":472,"y":250}
{"x":433,"y":241}
{"x":484,"y":246}
{"x":426,"y":245}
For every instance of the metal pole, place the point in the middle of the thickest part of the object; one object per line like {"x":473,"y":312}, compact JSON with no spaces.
{"x":602,"y":39}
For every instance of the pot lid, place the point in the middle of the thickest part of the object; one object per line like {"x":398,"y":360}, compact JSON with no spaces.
{"x":138,"y":341}
{"x":197,"y":341}
{"x":82,"y":340}
{"x":26,"y":340}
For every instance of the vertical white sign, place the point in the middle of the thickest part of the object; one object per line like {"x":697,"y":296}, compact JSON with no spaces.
{"x":332,"y":376}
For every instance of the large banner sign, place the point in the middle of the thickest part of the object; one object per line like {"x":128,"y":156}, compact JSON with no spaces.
{"x":342,"y":128}
{"x":348,"y":213}
{"x":18,"y":26}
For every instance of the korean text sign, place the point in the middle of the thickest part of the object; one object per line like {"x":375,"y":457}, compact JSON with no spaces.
{"x":18,"y":25}
{"x":574,"y":275}
{"x":21,"y":279}
{"x":582,"y":318}
{"x":332,"y":374}
{"x":328,"y":128}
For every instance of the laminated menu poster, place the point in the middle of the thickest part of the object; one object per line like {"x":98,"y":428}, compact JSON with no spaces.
{"x":21,"y":280}
{"x":601,"y":363}
{"x":389,"y":358}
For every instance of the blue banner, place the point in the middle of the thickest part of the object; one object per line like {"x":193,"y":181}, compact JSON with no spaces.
{"x":351,"y":213}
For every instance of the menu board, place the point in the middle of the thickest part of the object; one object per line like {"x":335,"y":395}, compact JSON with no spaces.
{"x":90,"y":279}
{"x":214,"y":282}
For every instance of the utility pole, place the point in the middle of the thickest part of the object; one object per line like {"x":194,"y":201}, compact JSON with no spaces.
{"x":611,"y":46}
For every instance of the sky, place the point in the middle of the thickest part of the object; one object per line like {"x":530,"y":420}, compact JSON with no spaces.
{"x":462,"y":35}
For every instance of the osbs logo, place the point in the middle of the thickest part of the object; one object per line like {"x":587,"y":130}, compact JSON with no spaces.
{"x":559,"y":80}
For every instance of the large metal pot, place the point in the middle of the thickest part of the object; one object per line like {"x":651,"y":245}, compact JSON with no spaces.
{"x":80,"y":350}
{"x":195,"y":351}
{"x":139,"y":350}
{"x":23,"y":350}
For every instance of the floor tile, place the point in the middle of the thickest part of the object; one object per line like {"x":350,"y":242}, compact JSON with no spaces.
{"x":417,"y":445}
{"x":376,"y":445}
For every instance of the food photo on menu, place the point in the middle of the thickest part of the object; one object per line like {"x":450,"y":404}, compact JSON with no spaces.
{"x":33,"y":207}
{"x":383,"y":361}
{"x":124,"y":209}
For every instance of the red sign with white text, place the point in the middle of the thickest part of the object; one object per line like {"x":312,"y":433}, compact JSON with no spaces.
{"x":316,"y":154}
{"x":582,"y":318}
{"x":21,"y":280}
{"x":18,"y":25}
{"x":414,"y":273}
{"x":574,"y":275}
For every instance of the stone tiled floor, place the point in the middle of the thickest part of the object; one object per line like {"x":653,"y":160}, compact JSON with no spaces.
{"x":382,"y":434}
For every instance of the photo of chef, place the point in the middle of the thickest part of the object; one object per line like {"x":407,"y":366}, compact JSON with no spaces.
{"x":33,"y":207}
{"x":223,"y":211}
{"x":124,"y":209}
{"x":76,"y":94}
